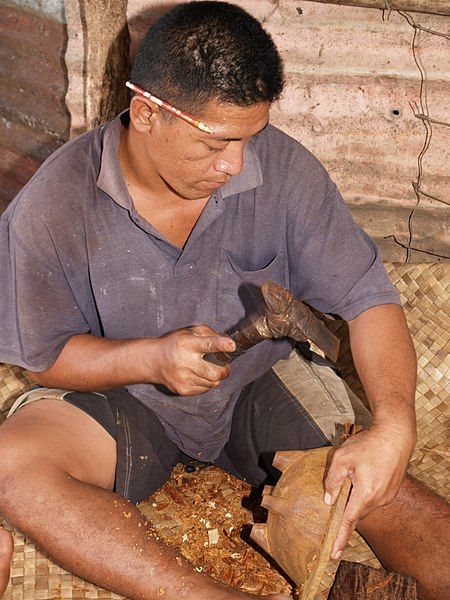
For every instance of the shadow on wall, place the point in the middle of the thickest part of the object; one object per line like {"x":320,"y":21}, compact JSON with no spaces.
{"x":141,"y":21}
{"x":137,"y":28}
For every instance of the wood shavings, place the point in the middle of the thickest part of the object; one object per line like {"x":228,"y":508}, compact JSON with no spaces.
{"x":213,"y":536}
{"x":201,"y":514}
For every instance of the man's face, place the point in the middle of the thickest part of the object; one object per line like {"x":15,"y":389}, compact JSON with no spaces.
{"x":193,"y":163}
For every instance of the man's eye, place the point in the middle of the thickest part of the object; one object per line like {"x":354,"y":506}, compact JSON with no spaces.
{"x":213,"y":148}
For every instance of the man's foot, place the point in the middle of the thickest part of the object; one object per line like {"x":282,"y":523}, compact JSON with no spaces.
{"x":6,"y":550}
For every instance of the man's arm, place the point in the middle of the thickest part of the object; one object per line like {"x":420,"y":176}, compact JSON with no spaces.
{"x":376,"y":459}
{"x":175,"y":360}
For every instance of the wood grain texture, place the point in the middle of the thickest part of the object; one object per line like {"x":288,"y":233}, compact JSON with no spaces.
{"x":97,"y":60}
{"x":355,"y":581}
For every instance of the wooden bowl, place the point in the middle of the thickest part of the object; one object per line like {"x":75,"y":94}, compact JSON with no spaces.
{"x":301,"y":528}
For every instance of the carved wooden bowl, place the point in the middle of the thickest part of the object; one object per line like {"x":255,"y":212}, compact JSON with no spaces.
{"x":301,"y":528}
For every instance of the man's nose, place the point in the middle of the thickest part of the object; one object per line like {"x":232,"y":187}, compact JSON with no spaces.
{"x":231,"y":159}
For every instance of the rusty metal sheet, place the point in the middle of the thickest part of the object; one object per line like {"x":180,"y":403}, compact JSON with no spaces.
{"x":33,"y":119}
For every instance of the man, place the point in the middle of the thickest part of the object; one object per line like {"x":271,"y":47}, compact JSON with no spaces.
{"x":127,"y":254}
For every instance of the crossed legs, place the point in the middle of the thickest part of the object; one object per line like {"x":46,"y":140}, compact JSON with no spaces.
{"x":58,"y":467}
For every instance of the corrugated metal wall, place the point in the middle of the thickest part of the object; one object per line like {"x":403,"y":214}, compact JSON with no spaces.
{"x":33,"y":118}
{"x":351,"y":79}
{"x":46,"y":8}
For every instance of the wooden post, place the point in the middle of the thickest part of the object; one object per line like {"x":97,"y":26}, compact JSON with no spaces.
{"x":435,"y":7}
{"x":356,"y":580}
{"x":97,"y":60}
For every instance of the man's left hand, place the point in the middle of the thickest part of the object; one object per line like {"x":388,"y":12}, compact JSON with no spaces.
{"x":375,"y":460}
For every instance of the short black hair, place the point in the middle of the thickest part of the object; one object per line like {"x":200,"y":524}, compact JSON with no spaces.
{"x":202,"y":51}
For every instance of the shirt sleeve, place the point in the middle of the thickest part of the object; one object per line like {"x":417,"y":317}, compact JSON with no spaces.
{"x":38,"y":310}
{"x":339,"y":269}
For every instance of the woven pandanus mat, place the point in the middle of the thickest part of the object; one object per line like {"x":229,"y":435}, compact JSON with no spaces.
{"x":13,"y":382}
{"x":200,"y":513}
{"x":36,"y":577}
{"x":424,"y":290}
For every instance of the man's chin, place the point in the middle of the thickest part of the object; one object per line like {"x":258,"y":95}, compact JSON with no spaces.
{"x":196,"y":192}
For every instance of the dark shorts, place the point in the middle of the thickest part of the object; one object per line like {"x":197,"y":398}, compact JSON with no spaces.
{"x":296,"y":405}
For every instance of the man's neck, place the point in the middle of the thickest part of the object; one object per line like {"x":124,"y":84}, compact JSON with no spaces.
{"x":139,"y":176}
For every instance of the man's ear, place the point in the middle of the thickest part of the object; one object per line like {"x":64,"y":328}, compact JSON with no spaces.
{"x":143,"y":113}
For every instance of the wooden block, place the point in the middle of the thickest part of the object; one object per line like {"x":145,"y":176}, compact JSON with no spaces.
{"x":356,"y":581}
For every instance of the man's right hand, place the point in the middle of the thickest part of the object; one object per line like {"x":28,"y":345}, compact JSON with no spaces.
{"x":178,"y":364}
{"x":175,"y":360}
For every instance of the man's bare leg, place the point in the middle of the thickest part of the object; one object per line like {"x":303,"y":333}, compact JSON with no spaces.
{"x":412,"y":536}
{"x":56,"y":476}
{"x":6,"y":550}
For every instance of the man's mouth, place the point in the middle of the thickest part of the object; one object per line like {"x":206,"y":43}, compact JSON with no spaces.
{"x":215,"y":183}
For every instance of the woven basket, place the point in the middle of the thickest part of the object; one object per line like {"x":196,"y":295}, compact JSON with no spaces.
{"x":213,"y":495}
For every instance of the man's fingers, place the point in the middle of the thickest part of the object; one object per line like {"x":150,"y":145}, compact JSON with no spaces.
{"x":194,"y":386}
{"x":182,"y":368}
{"x":202,"y":330}
{"x":215,"y":343}
{"x":201,"y":374}
{"x":345,"y":531}
{"x":208,"y":341}
{"x":211,"y":373}
{"x":358,"y":507}
{"x":193,"y":391}
{"x":352,"y":514}
{"x":334,"y":480}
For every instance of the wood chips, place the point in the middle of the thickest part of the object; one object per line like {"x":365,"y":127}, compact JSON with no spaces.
{"x":201,"y":514}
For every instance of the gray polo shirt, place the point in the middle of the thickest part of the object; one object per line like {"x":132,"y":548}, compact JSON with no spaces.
{"x":76,"y":257}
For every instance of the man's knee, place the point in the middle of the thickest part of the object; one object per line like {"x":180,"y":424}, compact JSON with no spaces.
{"x":51,"y":437}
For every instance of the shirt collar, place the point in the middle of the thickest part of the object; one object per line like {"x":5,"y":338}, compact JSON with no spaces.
{"x":110,"y":178}
{"x":112,"y":181}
